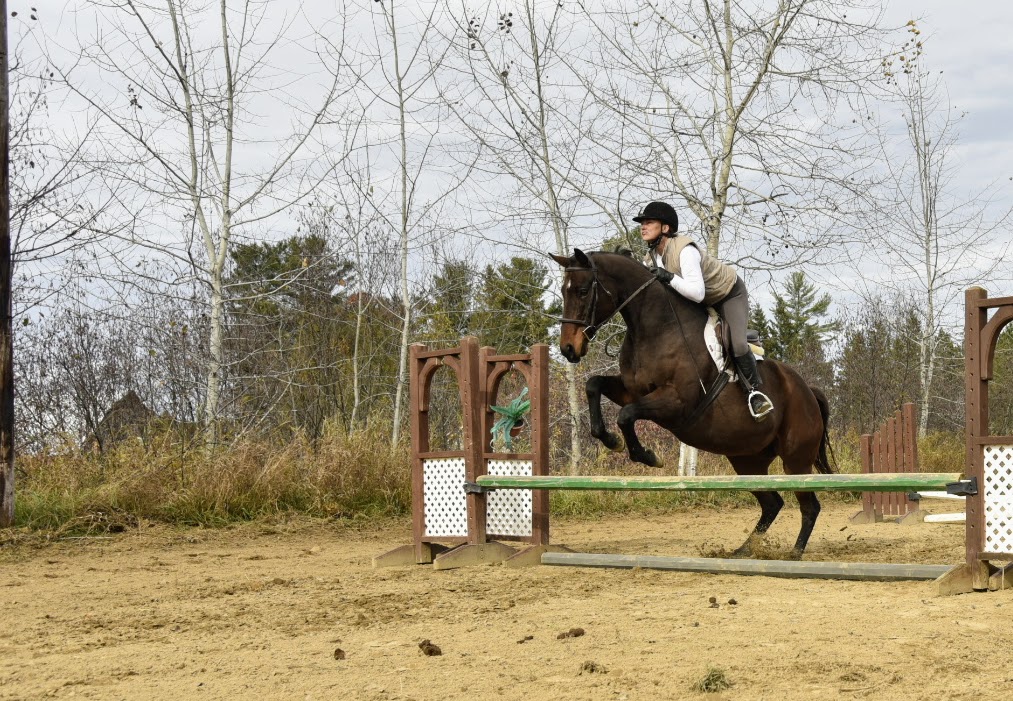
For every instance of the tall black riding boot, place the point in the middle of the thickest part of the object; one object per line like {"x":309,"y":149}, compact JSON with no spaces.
{"x":759,"y":403}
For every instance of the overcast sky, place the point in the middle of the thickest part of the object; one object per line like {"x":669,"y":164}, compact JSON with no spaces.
{"x":970,"y":43}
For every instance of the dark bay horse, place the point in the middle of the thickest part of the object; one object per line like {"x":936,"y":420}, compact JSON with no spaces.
{"x":664,"y":369}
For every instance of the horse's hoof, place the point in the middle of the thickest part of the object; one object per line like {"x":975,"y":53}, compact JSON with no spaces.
{"x":795,"y":555}
{"x":647,"y":458}
{"x":744,"y":551}
{"x":614,"y":443}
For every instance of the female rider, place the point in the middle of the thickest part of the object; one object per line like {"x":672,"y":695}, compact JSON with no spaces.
{"x":703,"y":279}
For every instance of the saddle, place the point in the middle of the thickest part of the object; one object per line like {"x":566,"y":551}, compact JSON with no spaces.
{"x":718,"y":338}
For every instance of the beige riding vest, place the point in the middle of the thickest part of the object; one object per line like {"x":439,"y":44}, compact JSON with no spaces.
{"x":718,"y":278}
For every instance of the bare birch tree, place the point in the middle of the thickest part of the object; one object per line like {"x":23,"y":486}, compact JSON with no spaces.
{"x":398,"y":72}
{"x":936,"y":241}
{"x":189,"y":123}
{"x":752,"y":113}
{"x":529,"y":127}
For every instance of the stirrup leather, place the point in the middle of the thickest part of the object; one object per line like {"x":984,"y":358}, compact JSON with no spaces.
{"x":749,"y":403}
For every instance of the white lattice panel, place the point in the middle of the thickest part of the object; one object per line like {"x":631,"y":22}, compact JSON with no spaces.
{"x":508,"y":511}
{"x":445,"y":503}
{"x":997,"y":496}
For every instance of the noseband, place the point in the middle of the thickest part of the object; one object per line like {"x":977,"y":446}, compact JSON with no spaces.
{"x":590,"y":326}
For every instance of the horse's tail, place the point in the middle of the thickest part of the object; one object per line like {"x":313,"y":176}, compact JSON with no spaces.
{"x":823,"y":465}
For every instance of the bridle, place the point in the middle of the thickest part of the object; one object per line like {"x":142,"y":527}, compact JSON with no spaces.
{"x":591,"y":327}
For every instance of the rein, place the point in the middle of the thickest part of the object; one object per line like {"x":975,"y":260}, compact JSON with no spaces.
{"x":590,"y":327}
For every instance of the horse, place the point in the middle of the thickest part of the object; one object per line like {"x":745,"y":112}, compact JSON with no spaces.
{"x":666,"y":376}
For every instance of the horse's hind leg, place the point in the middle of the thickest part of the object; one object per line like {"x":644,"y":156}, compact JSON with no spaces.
{"x":770,"y":502}
{"x":770,"y":507}
{"x":809,"y":505}
{"x":612,"y":387}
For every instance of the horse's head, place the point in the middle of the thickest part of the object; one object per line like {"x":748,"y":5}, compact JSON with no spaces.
{"x":586,"y":304}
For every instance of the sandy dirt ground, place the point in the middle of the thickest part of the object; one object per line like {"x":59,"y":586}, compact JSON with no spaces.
{"x":266,"y":611}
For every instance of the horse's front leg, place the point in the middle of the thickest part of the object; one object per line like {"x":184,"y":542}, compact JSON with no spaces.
{"x":656,"y":406}
{"x":612,"y":387}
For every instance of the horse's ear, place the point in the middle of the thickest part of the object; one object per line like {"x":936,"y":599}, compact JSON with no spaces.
{"x":562,"y":260}
{"x":581,"y":258}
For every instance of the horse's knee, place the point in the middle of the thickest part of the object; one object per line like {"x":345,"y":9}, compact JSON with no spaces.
{"x":627,"y":416}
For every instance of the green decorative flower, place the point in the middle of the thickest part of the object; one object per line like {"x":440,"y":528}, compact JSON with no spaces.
{"x":512,"y":414}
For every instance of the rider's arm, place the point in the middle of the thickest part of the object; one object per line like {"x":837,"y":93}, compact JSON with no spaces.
{"x":690,"y":284}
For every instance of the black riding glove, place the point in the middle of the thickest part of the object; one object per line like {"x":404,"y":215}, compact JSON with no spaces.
{"x":662,"y":275}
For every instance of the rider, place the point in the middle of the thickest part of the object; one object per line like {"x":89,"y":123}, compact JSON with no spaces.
{"x":699,"y":277}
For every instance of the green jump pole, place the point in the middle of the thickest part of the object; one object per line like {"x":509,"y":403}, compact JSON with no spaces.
{"x":875,"y":482}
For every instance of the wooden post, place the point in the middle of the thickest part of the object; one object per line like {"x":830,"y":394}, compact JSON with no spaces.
{"x":6,"y":293}
{"x":898,"y":498}
{"x":471,"y":415}
{"x":419,"y":412}
{"x":882,"y":464}
{"x":974,"y":573}
{"x":910,"y":438}
{"x":892,"y":460}
{"x":976,"y":403}
{"x":870,"y":500}
{"x":538,"y":391}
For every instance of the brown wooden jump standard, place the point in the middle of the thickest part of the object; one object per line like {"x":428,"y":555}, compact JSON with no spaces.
{"x":450,"y":528}
{"x":988,"y":531}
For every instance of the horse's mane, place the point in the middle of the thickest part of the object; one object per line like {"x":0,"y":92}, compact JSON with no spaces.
{"x":636,"y":272}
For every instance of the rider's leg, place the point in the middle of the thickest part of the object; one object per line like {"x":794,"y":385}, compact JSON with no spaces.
{"x":735,"y":310}
{"x":759,"y":403}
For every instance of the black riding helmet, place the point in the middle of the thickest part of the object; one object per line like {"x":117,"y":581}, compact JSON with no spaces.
{"x":661,"y":211}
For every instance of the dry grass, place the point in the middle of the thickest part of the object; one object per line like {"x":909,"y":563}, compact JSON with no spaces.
{"x":339,"y":475}
{"x":714,"y":681}
{"x":70,"y":492}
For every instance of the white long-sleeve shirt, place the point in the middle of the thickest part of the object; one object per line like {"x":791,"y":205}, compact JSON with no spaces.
{"x":690,"y":283}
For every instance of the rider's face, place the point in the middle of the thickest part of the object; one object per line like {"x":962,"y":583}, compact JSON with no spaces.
{"x":650,"y":229}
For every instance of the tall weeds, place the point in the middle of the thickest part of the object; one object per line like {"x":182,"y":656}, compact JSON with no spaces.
{"x":346,"y":475}
{"x":339,"y":474}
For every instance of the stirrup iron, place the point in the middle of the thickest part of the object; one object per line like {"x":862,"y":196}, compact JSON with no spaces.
{"x":749,"y":404}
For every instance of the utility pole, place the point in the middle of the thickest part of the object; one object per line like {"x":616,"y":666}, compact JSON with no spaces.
{"x":6,"y":293}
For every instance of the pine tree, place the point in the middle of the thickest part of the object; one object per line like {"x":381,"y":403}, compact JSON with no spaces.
{"x":452,"y":306}
{"x":512,"y":314}
{"x":798,"y":330}
{"x":759,"y":322}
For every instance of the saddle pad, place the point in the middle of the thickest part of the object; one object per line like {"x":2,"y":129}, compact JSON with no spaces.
{"x":710,"y":337}
{"x":715,"y":349}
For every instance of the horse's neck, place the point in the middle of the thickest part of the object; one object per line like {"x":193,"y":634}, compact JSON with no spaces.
{"x":662,"y":313}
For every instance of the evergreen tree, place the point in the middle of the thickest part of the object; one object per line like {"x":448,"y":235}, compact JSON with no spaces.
{"x":512,"y":314}
{"x":288,"y":327}
{"x":759,"y":322}
{"x":798,"y":330}
{"x":627,"y":241}
{"x":450,"y":311}
{"x":797,"y":327}
{"x":877,"y":368}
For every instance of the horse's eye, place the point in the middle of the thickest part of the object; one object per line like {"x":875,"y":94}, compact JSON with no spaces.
{"x":583,"y":291}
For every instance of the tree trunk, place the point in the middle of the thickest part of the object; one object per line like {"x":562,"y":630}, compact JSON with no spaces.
{"x":356,"y":391}
{"x":402,"y":364}
{"x":6,"y":295}
{"x":215,"y":362}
